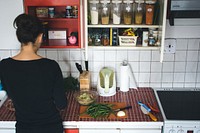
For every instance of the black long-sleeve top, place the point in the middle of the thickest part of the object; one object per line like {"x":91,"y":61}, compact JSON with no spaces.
{"x":36,"y":89}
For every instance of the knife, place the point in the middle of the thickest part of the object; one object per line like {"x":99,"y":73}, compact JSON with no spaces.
{"x":86,"y":65}
{"x":148,"y":113}
{"x":141,"y":104}
{"x":79,"y":67}
{"x":119,"y":109}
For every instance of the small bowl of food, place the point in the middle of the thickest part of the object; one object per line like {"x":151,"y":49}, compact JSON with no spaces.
{"x":86,"y":97}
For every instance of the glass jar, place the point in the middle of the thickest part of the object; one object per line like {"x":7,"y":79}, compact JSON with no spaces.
{"x":75,"y":12}
{"x":94,"y":11}
{"x":105,"y":40}
{"x":105,"y":13}
{"x":97,"y":39}
{"x":116,"y":11}
{"x":150,"y":12}
{"x":128,"y":11}
{"x":68,"y":13}
{"x":139,"y":11}
{"x":51,"y":12}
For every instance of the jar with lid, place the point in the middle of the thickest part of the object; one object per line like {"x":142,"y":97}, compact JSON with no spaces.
{"x":116,"y":11}
{"x":51,"y":12}
{"x":150,"y":12}
{"x":105,"y":40}
{"x":75,"y":12}
{"x":68,"y":13}
{"x":97,"y":39}
{"x":139,"y":11}
{"x":94,"y":11}
{"x":105,"y":13}
{"x":128,"y":11}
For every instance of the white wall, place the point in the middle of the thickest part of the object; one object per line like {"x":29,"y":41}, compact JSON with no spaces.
{"x":9,"y":9}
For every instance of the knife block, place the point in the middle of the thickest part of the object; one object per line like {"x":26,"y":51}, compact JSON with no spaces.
{"x":84,"y":79}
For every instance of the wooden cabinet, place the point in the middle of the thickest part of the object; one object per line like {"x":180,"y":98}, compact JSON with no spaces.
{"x":60,"y":27}
{"x":159,"y":24}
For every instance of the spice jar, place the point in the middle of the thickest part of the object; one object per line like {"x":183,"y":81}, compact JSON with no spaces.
{"x":150,"y":12}
{"x":105,"y":13}
{"x":97,"y":39}
{"x":51,"y":12}
{"x":105,"y":40}
{"x":128,"y":6}
{"x":139,"y":11}
{"x":116,"y":11}
{"x":94,"y":11}
{"x":75,"y":12}
{"x":68,"y":13}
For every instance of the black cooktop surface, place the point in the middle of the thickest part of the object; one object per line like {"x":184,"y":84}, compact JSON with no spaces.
{"x":180,"y":105}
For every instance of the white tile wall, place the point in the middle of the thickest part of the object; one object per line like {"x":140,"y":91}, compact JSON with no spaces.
{"x":181,"y":69}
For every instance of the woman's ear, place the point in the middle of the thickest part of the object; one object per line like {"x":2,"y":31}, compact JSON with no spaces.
{"x":39,"y":38}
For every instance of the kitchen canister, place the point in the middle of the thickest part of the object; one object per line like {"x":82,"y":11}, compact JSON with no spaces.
{"x":116,"y":11}
{"x":94,"y":11}
{"x":127,"y":79}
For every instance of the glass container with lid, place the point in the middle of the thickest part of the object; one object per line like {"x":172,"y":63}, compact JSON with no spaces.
{"x":116,"y":11}
{"x":128,"y":11}
{"x":94,"y":11}
{"x":150,"y":11}
{"x":105,"y":13}
{"x":139,"y":11}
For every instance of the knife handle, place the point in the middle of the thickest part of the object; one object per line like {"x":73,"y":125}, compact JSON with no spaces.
{"x":127,"y":107}
{"x":152,"y":116}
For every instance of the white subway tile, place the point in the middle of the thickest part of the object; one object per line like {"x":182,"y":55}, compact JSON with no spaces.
{"x":133,"y":55}
{"x":191,"y":67}
{"x":145,"y":55}
{"x":168,"y":66}
{"x":144,"y":67}
{"x":111,"y":65}
{"x":179,"y":77}
{"x":155,"y":55}
{"x":52,"y":54}
{"x":110,"y":55}
{"x":191,"y":85}
{"x":156,"y":67}
{"x":168,"y":57}
{"x":121,"y":55}
{"x":190,"y":77}
{"x":155,"y":77}
{"x":98,"y":65}
{"x":198,"y":78}
{"x":181,"y":44}
{"x":178,"y":85}
{"x":155,"y":85}
{"x":63,"y":55}
{"x":134,"y":66}
{"x":167,"y":85}
{"x":167,"y":77}
{"x":65,"y":66}
{"x":193,"y":44}
{"x":179,"y":66}
{"x":75,"y":55}
{"x":180,"y":56}
{"x":192,"y":55}
{"x":98,"y":55}
{"x":144,"y":77}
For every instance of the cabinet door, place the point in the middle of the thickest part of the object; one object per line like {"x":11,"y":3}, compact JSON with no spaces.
{"x":9,"y":11}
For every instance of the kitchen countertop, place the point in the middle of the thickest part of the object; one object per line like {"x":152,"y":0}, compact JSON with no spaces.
{"x":71,"y":114}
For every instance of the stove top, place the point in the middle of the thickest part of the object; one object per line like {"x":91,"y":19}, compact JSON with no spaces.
{"x":180,"y":105}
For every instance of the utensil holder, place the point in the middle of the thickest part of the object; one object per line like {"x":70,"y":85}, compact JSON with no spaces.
{"x":84,"y":79}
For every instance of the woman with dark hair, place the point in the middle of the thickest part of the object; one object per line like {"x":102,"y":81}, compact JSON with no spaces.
{"x":34,"y":83}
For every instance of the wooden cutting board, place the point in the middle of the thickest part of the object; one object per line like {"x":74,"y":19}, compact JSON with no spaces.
{"x":112,"y":116}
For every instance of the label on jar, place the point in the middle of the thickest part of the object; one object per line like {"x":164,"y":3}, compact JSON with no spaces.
{"x":105,"y":8}
{"x":94,"y":8}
